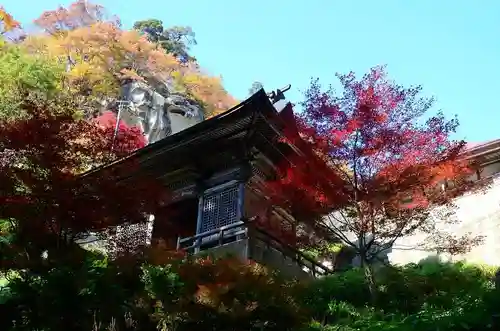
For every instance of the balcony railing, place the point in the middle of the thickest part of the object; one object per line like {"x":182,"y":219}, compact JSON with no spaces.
{"x":240,"y":230}
{"x":215,"y":236}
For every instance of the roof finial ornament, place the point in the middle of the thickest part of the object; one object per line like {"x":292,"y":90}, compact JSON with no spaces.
{"x":279,"y":94}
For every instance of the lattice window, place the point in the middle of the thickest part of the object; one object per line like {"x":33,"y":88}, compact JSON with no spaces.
{"x":220,"y":209}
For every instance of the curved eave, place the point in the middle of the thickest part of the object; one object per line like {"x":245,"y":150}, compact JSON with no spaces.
{"x":489,"y":150}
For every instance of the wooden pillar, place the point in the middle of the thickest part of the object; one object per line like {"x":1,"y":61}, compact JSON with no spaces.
{"x":241,"y":201}
{"x":200,"y":189}
{"x":245,"y":174}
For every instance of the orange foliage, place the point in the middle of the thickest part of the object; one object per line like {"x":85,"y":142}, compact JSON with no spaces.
{"x":8,"y":22}
{"x":80,"y":13}
{"x":100,"y":55}
{"x":228,"y":286}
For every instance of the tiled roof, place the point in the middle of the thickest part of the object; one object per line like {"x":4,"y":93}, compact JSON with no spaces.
{"x":475,"y":145}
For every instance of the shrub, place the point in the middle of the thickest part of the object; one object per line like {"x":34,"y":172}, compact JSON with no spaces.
{"x":180,"y":295}
{"x":424,"y":296}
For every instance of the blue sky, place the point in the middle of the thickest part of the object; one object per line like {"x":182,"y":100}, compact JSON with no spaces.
{"x":452,"y":48}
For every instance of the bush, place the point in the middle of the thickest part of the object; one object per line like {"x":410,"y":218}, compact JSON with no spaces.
{"x":425,"y":296}
{"x":183,"y":294}
{"x":187,"y":293}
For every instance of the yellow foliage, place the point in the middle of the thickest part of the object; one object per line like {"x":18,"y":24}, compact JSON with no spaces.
{"x":209,"y":90}
{"x":101,"y":54}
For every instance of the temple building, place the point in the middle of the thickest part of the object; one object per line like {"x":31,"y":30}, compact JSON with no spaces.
{"x":216,"y":171}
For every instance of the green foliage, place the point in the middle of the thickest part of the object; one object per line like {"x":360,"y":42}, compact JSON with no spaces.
{"x":69,"y":297}
{"x":202,"y":293}
{"x":326,"y":251}
{"x":20,"y":72}
{"x":426,"y":296}
{"x":184,"y":294}
{"x":188,"y":293}
{"x":175,"y":40}
{"x":255,"y":87}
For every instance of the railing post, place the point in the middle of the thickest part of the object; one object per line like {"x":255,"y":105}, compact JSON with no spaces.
{"x":178,"y":242}
{"x":241,"y":204}
{"x":199,"y":221}
{"x":221,"y":236}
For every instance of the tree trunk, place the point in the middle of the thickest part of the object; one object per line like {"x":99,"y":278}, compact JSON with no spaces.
{"x":369,"y":277}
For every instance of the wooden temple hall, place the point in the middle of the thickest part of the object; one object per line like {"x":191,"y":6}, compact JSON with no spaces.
{"x":216,"y":171}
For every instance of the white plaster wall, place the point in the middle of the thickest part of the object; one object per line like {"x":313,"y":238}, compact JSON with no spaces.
{"x":490,"y":170}
{"x":477,"y":213}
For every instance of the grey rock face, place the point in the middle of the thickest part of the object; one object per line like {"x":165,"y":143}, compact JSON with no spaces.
{"x":158,"y":112}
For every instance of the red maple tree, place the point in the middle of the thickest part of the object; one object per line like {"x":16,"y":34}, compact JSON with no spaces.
{"x":44,"y":193}
{"x":373,"y":167}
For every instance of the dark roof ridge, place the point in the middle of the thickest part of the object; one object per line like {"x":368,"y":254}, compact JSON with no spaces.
{"x":260,"y":97}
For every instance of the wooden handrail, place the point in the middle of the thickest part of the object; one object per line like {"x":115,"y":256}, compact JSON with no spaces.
{"x":294,"y":251}
{"x":269,"y":239}
{"x":202,"y":235}
{"x":214,"y":231}
{"x":220,"y":237}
